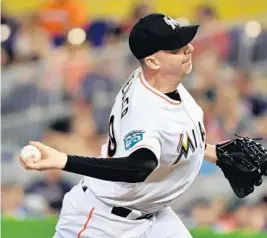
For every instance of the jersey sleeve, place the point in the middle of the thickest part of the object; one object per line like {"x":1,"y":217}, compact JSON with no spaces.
{"x":136,"y":139}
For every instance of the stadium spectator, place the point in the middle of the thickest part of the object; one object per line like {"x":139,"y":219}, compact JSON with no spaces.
{"x":76,"y":133}
{"x":97,"y":92}
{"x":25,"y":41}
{"x":57,"y":17}
{"x":52,"y":187}
{"x":138,"y":11}
{"x":213,"y":32}
{"x":76,"y":65}
{"x":12,"y":196}
{"x":7,"y":43}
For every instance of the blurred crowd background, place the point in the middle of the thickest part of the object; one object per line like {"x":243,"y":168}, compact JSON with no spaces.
{"x":63,"y":62}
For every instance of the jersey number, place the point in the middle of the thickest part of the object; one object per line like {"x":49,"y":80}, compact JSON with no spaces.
{"x":112,"y":144}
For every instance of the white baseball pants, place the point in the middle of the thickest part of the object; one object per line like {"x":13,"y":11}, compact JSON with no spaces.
{"x":84,"y":216}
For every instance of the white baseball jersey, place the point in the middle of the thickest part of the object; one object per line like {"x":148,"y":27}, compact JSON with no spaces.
{"x":144,"y":117}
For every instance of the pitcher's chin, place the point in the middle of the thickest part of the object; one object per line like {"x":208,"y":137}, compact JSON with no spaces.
{"x":187,"y":68}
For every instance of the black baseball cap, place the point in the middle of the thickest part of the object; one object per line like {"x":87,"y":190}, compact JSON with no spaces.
{"x":156,"y":32}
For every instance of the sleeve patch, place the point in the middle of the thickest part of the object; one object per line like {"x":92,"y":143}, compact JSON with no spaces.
{"x":132,"y":138}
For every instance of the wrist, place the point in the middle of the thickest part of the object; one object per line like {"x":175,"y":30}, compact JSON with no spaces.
{"x":210,"y":153}
{"x":63,"y":160}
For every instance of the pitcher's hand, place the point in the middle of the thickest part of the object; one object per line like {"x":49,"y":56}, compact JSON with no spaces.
{"x":50,"y":158}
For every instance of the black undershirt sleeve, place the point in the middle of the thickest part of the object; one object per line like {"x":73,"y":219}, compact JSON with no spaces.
{"x":132,"y":169}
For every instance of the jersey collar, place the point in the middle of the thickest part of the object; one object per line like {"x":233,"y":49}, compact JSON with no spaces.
{"x":157,"y":92}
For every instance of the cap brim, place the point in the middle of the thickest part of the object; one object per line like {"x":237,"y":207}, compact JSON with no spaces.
{"x":188,"y":33}
{"x":183,"y":37}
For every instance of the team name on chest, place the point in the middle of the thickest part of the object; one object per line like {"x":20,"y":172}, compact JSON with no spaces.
{"x":189,"y":141}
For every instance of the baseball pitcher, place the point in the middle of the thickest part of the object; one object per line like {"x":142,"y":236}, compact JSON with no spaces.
{"x":156,"y":145}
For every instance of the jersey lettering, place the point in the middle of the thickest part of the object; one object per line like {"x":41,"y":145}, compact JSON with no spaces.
{"x":202,"y":132}
{"x":186,"y":143}
{"x":125,"y":99}
{"x":195,"y":139}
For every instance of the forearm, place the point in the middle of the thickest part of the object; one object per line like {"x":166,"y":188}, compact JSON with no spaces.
{"x":132,"y":169}
{"x":210,"y":153}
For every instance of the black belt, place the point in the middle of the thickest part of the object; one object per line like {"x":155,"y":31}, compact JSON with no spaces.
{"x":123,"y":211}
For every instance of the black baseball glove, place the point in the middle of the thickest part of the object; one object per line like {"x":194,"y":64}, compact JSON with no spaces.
{"x":243,"y":162}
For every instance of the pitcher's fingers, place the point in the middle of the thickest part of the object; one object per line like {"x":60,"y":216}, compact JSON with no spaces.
{"x":42,"y":165}
{"x":38,"y":145}
{"x":29,"y":162}
{"x":23,"y":164}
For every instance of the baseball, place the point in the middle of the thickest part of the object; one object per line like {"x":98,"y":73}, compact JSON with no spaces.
{"x":29,"y":151}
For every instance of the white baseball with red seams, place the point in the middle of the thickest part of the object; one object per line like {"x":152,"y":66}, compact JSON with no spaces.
{"x":29,"y":151}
